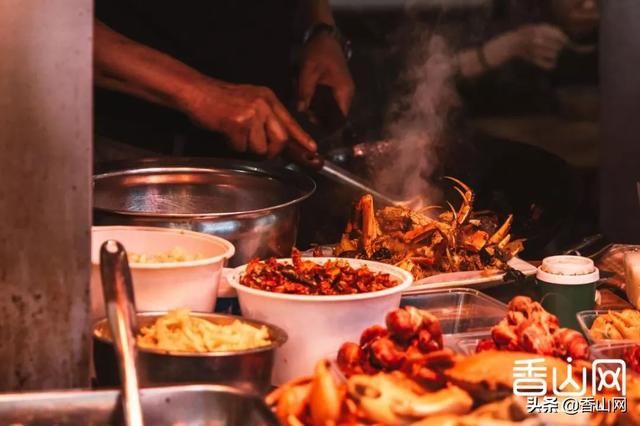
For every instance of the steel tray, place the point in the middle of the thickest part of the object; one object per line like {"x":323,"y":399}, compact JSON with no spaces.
{"x":201,"y":405}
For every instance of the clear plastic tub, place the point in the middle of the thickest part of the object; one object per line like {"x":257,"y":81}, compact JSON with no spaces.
{"x":614,"y":351}
{"x":610,"y":349}
{"x":463,"y":313}
{"x":586,"y":318}
{"x":468,"y":344}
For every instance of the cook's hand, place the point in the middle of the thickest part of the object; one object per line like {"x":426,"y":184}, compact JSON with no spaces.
{"x":323,"y":62}
{"x":540,"y":44}
{"x":251,"y":117}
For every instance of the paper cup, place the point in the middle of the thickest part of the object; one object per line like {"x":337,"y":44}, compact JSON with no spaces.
{"x":568,"y":286}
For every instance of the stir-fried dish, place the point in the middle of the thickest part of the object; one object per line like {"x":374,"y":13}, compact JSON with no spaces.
{"x":617,"y":325}
{"x":400,"y":375}
{"x":178,"y":331}
{"x":451,"y":242}
{"x":306,"y":277}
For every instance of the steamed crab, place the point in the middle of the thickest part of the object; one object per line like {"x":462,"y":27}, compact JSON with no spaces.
{"x":455,"y":240}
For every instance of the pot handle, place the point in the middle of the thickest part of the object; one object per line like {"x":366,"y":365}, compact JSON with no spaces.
{"x":302,"y":157}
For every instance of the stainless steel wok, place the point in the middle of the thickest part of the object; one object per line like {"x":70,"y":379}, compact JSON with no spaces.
{"x":253,"y":206}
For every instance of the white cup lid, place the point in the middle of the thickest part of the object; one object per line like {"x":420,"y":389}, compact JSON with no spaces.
{"x":568,"y":270}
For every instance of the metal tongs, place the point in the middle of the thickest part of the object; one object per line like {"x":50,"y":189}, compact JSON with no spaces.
{"x":121,"y":312}
{"x":325,"y":107}
{"x":315,"y":162}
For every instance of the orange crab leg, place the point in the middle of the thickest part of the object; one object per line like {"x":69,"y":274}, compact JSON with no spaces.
{"x":502,"y":232}
{"x":467,"y":199}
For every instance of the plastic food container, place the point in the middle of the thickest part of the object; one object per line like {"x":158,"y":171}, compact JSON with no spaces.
{"x":612,"y":350}
{"x":164,"y":286}
{"x":586,"y":318}
{"x":317,"y":325}
{"x":467,"y":345}
{"x":463,"y":313}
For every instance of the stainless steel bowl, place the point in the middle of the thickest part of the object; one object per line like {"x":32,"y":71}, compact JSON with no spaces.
{"x":254,"y":206}
{"x":249,"y":370}
{"x":161,"y":406}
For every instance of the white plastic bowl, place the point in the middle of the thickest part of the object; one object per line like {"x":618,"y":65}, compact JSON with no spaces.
{"x":164,"y":286}
{"x":317,"y":325}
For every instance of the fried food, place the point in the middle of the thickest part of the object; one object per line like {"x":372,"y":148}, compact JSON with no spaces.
{"x":527,"y":327}
{"x":178,"y":331}
{"x":394,"y":398}
{"x":387,"y":379}
{"x":310,"y":278}
{"x":616,"y":325}
{"x":456,"y":240}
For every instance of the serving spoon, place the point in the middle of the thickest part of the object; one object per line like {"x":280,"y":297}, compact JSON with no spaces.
{"x":121,"y":312}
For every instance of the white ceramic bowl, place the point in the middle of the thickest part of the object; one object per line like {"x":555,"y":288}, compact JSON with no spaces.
{"x":317,"y":325}
{"x":163,"y":286}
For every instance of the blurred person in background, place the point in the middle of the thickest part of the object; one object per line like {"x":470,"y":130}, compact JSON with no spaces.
{"x":532,"y":47}
{"x":201,"y":77}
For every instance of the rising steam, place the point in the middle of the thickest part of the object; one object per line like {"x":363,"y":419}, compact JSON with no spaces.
{"x":418,"y":121}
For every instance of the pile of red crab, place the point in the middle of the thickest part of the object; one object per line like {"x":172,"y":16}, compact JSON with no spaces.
{"x":411,"y":343}
{"x":529,"y":328}
{"x":631,"y":356}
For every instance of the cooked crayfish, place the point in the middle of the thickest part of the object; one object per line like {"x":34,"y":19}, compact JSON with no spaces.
{"x":455,"y":240}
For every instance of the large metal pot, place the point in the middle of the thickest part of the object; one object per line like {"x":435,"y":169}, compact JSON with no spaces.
{"x":256,"y":207}
{"x":246,"y":369}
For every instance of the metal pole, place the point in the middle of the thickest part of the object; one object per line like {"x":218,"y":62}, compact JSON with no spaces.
{"x":45,"y":192}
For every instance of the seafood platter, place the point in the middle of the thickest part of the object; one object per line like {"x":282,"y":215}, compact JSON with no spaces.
{"x":346,"y":337}
{"x":441,"y":247}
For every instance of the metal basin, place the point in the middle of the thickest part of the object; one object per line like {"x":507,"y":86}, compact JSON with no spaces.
{"x":249,"y":370}
{"x":256,"y":207}
{"x":165,"y":406}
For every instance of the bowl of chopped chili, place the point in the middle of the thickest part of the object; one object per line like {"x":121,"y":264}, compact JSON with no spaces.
{"x":320,"y":302}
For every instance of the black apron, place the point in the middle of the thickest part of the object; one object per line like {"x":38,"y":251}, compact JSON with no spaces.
{"x":238,"y":41}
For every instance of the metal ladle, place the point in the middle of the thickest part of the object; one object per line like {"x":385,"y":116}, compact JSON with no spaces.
{"x":121,"y":312}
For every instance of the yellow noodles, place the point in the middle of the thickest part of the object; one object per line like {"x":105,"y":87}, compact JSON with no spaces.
{"x":175,"y":255}
{"x":179,"y":332}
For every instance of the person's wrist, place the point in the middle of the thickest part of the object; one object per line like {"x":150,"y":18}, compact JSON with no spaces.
{"x":514,"y":44}
{"x":190,"y":93}
{"x":325,"y":30}
{"x":503,"y":48}
{"x":482,"y":57}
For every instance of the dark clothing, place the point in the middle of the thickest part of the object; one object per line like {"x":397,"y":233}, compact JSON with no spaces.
{"x":239,"y":41}
{"x":619,"y":146}
{"x":520,"y":87}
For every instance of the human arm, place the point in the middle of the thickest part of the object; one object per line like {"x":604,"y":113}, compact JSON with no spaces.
{"x":250,"y":116}
{"x":537,"y":44}
{"x":322,"y":60}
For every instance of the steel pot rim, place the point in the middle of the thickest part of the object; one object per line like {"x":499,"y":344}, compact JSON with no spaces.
{"x":305,"y":185}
